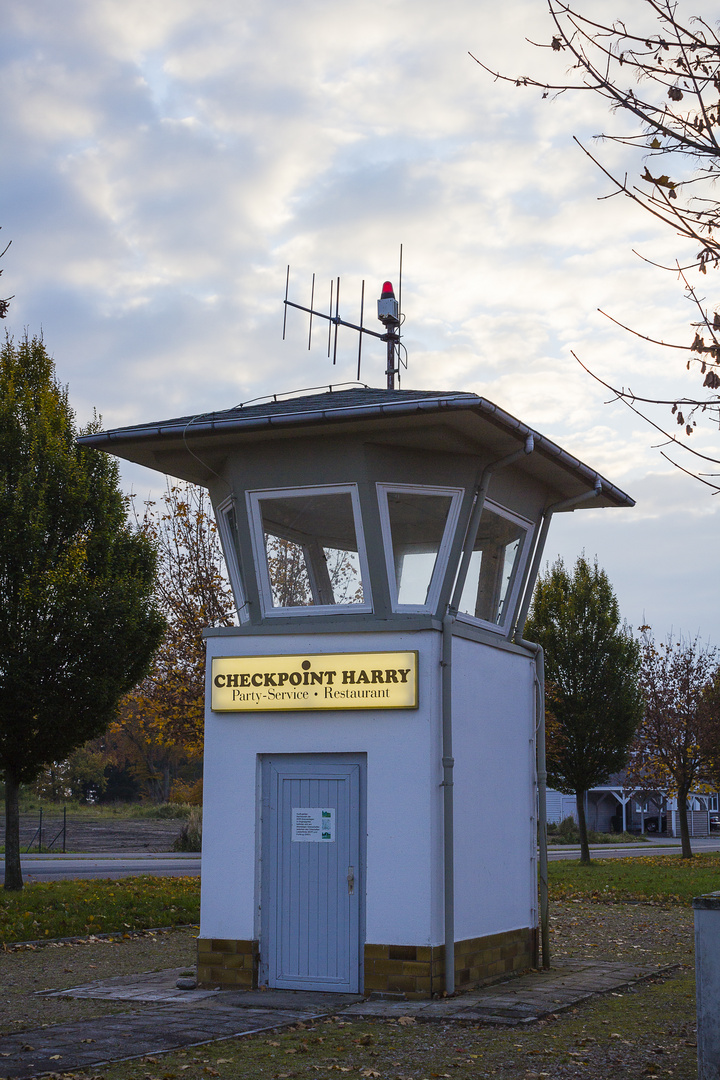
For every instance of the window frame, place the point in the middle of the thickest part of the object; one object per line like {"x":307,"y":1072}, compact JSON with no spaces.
{"x":443,"y":555}
{"x":231,"y":550}
{"x":528,"y":527}
{"x":257,"y":534}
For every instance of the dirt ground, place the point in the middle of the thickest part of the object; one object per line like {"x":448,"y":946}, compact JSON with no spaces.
{"x":84,"y":835}
{"x":644,"y":1033}
{"x":27,"y":970}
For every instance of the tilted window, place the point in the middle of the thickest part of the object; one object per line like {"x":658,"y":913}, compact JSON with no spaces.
{"x":309,"y":549}
{"x":418,"y":525}
{"x":494,"y":573}
{"x":227,"y":525}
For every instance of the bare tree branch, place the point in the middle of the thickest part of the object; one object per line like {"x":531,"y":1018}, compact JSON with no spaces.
{"x":666,"y":77}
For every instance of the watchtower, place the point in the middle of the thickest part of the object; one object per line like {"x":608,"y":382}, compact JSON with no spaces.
{"x":370,"y":816}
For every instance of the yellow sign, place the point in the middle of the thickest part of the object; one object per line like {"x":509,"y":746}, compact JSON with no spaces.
{"x":385,"y":680}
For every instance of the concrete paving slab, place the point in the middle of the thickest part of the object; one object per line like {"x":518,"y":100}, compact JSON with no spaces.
{"x":523,"y":999}
{"x":172,"y":1018}
{"x":153,"y":1031}
{"x":152,"y":986}
{"x":160,"y":987}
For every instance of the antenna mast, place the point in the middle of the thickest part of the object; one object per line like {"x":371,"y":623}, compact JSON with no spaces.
{"x":389,"y":315}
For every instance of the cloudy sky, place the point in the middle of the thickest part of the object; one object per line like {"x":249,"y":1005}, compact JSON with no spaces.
{"x":163,"y":162}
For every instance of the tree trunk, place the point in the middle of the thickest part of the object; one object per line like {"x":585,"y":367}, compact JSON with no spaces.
{"x":13,"y":869}
{"x":684,"y":829}
{"x":582,"y":827}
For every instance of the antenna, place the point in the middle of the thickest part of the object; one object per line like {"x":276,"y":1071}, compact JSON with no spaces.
{"x":389,"y":314}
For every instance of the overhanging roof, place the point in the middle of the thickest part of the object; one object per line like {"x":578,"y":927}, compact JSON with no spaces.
{"x":192,"y":447}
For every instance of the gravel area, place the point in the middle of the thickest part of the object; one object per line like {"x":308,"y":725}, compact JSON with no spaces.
{"x":85,"y":835}
{"x":640,"y":932}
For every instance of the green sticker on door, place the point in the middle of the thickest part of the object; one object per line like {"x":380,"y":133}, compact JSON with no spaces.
{"x":313,"y":824}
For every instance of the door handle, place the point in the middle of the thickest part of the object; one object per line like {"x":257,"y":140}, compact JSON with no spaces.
{"x":351,"y":879}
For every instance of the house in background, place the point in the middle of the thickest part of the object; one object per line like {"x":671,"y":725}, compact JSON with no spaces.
{"x":614,"y":807}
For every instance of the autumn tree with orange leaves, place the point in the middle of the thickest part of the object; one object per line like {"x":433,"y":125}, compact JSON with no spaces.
{"x":669,"y":751}
{"x":160,"y":723}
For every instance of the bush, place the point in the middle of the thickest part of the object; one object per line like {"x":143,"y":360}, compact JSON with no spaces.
{"x":189,"y":792}
{"x":568,"y":831}
{"x":190,"y":838}
{"x":163,"y":811}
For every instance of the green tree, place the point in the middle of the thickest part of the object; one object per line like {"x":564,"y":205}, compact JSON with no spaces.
{"x":78,"y":619}
{"x":592,"y":663}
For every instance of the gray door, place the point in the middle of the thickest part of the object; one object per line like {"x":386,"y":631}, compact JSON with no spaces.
{"x":312,"y":877}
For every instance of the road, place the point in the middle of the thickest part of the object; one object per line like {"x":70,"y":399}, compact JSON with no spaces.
{"x":107,"y":865}
{"x":168,"y":864}
{"x":663,"y":846}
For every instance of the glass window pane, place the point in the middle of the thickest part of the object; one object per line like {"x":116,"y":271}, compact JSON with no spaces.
{"x":417,"y":527}
{"x":231,"y":546}
{"x":493,"y":567}
{"x":311,"y":549}
{"x":231,"y":530}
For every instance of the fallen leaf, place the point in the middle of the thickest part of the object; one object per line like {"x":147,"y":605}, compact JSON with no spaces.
{"x":406,"y":1019}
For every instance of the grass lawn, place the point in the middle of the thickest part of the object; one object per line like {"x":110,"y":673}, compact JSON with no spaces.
{"x":657,"y":879}
{"x":31,"y":807}
{"x":74,"y":908}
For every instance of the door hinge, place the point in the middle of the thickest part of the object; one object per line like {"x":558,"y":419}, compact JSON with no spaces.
{"x":351,"y":879}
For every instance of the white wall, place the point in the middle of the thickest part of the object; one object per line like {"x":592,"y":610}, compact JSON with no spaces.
{"x":494,"y":791}
{"x":403,"y":776}
{"x":495,"y":830}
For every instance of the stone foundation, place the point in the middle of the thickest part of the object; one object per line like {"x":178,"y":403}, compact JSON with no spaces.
{"x":227,"y":963}
{"x":418,"y":971}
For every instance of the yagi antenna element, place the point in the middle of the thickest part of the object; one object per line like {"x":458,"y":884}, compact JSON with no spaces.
{"x":389,"y":314}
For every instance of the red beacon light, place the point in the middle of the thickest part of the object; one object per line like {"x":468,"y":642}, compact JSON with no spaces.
{"x":388,"y":306}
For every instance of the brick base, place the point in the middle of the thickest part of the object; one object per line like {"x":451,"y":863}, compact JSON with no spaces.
{"x":418,"y":971}
{"x":228,"y":963}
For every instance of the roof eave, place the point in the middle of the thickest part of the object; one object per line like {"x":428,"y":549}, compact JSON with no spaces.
{"x":203,"y":425}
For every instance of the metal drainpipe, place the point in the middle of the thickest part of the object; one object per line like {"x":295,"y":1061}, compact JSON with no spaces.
{"x":448,"y":762}
{"x":539,"y":657}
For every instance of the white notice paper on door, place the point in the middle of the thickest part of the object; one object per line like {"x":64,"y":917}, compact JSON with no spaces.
{"x":315,"y":824}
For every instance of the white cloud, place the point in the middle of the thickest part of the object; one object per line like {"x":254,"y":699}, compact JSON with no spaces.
{"x":168,"y":160}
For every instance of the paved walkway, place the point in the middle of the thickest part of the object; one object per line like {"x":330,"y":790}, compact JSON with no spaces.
{"x":166,"y":1018}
